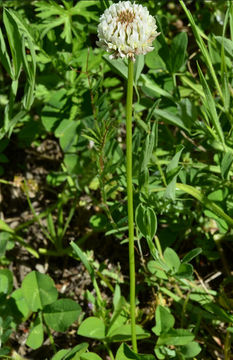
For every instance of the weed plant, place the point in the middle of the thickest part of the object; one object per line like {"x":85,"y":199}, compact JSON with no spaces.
{"x":57,"y":85}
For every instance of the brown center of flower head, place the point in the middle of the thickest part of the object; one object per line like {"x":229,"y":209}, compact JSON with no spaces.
{"x":126,"y":17}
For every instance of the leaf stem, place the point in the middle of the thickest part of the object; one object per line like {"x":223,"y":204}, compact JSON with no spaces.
{"x":109,"y":351}
{"x":227,"y":346}
{"x":129,"y":102}
{"x":51,"y":339}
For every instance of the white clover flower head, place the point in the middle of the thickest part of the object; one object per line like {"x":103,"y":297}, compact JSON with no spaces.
{"x":126,"y":30}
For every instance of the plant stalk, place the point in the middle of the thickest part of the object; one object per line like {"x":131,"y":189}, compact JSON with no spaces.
{"x":129,"y":102}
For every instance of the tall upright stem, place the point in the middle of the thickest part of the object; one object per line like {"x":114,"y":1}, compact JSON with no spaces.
{"x":129,"y":102}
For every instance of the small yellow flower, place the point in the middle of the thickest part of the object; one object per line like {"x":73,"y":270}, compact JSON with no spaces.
{"x":126,"y":30}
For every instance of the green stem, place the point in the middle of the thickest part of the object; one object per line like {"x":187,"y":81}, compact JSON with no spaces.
{"x":158,"y":245}
{"x":51,"y":339}
{"x":129,"y":103}
{"x":160,"y":170}
{"x":227,"y":346}
{"x":109,"y":351}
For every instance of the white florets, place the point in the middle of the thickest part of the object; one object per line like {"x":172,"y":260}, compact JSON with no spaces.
{"x":126,"y":30}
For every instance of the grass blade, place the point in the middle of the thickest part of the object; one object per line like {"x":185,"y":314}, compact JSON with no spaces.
{"x":206,"y":202}
{"x":202,"y":47}
{"x":210,"y":105}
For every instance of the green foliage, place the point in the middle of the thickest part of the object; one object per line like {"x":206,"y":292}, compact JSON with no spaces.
{"x":56,"y":85}
{"x":125,"y":353}
{"x":38,"y":290}
{"x":37,"y":294}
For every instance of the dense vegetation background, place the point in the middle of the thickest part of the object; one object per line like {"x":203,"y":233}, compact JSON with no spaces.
{"x":62,"y":167}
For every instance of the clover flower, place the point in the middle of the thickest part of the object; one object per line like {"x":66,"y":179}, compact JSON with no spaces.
{"x":126,"y":30}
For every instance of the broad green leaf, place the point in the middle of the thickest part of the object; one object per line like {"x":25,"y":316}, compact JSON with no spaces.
{"x":125,"y":353}
{"x":196,"y":86}
{"x":58,"y":99}
{"x":185,"y":271}
{"x":20,"y":303}
{"x":123,"y":333}
{"x":219,"y":312}
{"x":90,"y":356}
{"x":117,"y":65}
{"x":187,"y":111}
{"x":93,"y":328}
{"x":83,"y":258}
{"x":36,"y":336}
{"x":227,"y":43}
{"x":60,"y":355}
{"x":111,"y":82}
{"x":68,"y":134}
{"x":65,"y":125}
{"x":163,"y":352}
{"x":158,"y":268}
{"x":14,"y":39}
{"x":201,"y":297}
{"x":171,"y":259}
{"x":61,"y":314}
{"x":74,"y":354}
{"x":218,"y":195}
{"x":178,"y":51}
{"x":154,"y":88}
{"x":153,"y":59}
{"x":118,"y":316}
{"x":39,"y":290}
{"x":226,"y":164}
{"x":174,"y":169}
{"x":146,"y":221}
{"x":23,"y":26}
{"x":175,"y":337}
{"x":164,"y":321}
{"x":50,"y":117}
{"x":171,"y":118}
{"x":72,"y":163}
{"x":189,"y":351}
{"x":191,"y":255}
{"x":6,"y":281}
{"x":205,"y":201}
{"x":222,"y":224}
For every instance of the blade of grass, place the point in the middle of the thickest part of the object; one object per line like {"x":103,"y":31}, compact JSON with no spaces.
{"x":82,"y":256}
{"x":14,"y":42}
{"x":5,"y":60}
{"x":224,"y":72}
{"x":196,"y":87}
{"x":210,"y":104}
{"x":230,"y":4}
{"x":203,"y":48}
{"x":206,"y":202}
{"x":6,"y":228}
